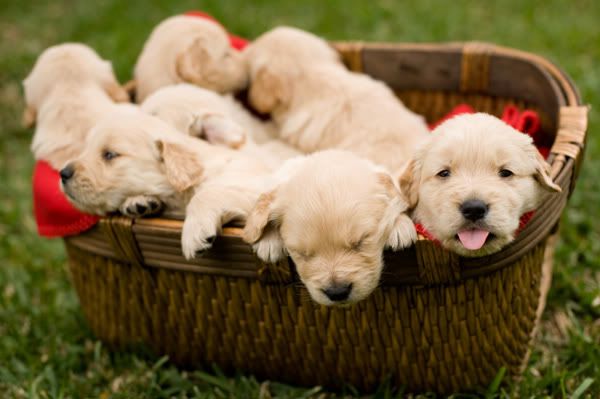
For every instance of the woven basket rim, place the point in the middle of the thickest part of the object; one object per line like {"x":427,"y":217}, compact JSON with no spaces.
{"x":565,"y":166}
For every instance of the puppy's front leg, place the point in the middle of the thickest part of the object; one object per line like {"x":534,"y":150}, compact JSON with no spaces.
{"x":141,"y":205}
{"x":403,"y":233}
{"x":209,"y":209}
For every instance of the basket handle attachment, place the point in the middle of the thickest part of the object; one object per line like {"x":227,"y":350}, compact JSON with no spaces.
{"x":570,"y":139}
{"x":475,"y":67}
{"x":119,"y":232}
{"x":351,"y":54}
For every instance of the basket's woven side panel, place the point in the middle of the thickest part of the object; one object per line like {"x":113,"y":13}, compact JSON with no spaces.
{"x":441,"y":338}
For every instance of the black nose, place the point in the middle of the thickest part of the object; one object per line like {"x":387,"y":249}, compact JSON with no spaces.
{"x":66,"y":173}
{"x":474,"y":210}
{"x":338,"y":292}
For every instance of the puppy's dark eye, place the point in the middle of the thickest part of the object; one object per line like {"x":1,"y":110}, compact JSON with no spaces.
{"x":505,"y":173}
{"x":443,"y":173}
{"x":107,"y":155}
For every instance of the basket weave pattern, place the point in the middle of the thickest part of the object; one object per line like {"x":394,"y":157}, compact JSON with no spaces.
{"x":438,"y":323}
{"x":442,"y":337}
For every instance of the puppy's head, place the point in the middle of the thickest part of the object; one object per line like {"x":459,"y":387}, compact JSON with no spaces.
{"x":129,"y":153}
{"x":71,"y":63}
{"x":209,"y":61}
{"x":333,"y":214}
{"x":274,"y":60}
{"x":470,"y":184}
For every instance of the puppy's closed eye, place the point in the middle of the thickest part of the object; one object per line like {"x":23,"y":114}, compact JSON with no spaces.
{"x":304,"y":255}
{"x":358,"y":244}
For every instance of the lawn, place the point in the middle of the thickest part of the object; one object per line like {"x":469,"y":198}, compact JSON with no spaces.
{"x":46,"y":349}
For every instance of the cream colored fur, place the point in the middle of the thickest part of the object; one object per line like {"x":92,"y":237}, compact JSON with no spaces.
{"x":334,"y":213}
{"x":318,"y":104}
{"x":474,"y":149}
{"x":189,"y":49}
{"x":219,"y":119}
{"x":203,"y":113}
{"x":151,"y":161}
{"x":68,"y":90}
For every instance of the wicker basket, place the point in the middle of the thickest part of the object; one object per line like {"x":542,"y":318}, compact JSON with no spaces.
{"x":438,"y":323}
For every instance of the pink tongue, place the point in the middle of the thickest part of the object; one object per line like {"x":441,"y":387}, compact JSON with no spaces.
{"x":473,"y":239}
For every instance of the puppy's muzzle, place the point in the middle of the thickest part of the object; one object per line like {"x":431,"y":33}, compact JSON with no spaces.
{"x":66,"y":173}
{"x":474,"y":209}
{"x":338,"y":292}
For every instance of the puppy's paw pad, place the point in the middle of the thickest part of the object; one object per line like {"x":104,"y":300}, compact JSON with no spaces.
{"x":197,"y":249}
{"x":141,"y":205}
{"x":141,"y":209}
{"x":403,"y":234}
{"x":196,"y":239}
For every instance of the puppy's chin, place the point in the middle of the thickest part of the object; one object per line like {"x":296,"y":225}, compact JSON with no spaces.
{"x":78,"y":202}
{"x":494,"y":243}
{"x":362,"y":288}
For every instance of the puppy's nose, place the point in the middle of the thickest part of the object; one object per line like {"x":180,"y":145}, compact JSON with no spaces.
{"x":474,"y":210}
{"x":338,"y":292}
{"x":66,"y":173}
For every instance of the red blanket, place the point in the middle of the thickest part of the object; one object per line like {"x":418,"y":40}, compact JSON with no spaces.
{"x":56,"y":217}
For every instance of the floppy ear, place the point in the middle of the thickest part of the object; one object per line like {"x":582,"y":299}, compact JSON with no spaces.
{"x":267,"y":90}
{"x":262,"y":229}
{"x":401,"y":228}
{"x":259,"y":217}
{"x":542,"y":175}
{"x":117,"y":92}
{"x":29,"y":116}
{"x":182,"y":167}
{"x":409,"y":182}
{"x":188,"y":64}
{"x":218,"y":129}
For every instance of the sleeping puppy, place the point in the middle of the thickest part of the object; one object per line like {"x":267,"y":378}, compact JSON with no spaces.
{"x":472,"y":182}
{"x":333,"y":213}
{"x":218,"y":119}
{"x":68,"y":90}
{"x":199,"y":112}
{"x":189,"y":49}
{"x":132,"y":159}
{"x":316,"y":103}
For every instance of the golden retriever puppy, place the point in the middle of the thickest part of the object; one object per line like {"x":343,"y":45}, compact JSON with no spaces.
{"x":132,"y":159}
{"x":189,"y":49}
{"x":316,"y":103}
{"x":69,"y":88}
{"x":219,"y":119}
{"x":472,"y":182}
{"x":202,"y":113}
{"x":333,"y":213}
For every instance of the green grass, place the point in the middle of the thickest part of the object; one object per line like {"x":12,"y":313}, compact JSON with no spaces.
{"x":46,"y":350}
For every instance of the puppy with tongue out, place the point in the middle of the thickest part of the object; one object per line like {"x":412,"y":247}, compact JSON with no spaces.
{"x":469,"y":185}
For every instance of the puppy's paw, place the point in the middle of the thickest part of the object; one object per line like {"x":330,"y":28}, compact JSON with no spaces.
{"x":141,"y":205}
{"x":197,"y":237}
{"x":270,"y":248}
{"x":403,"y":233}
